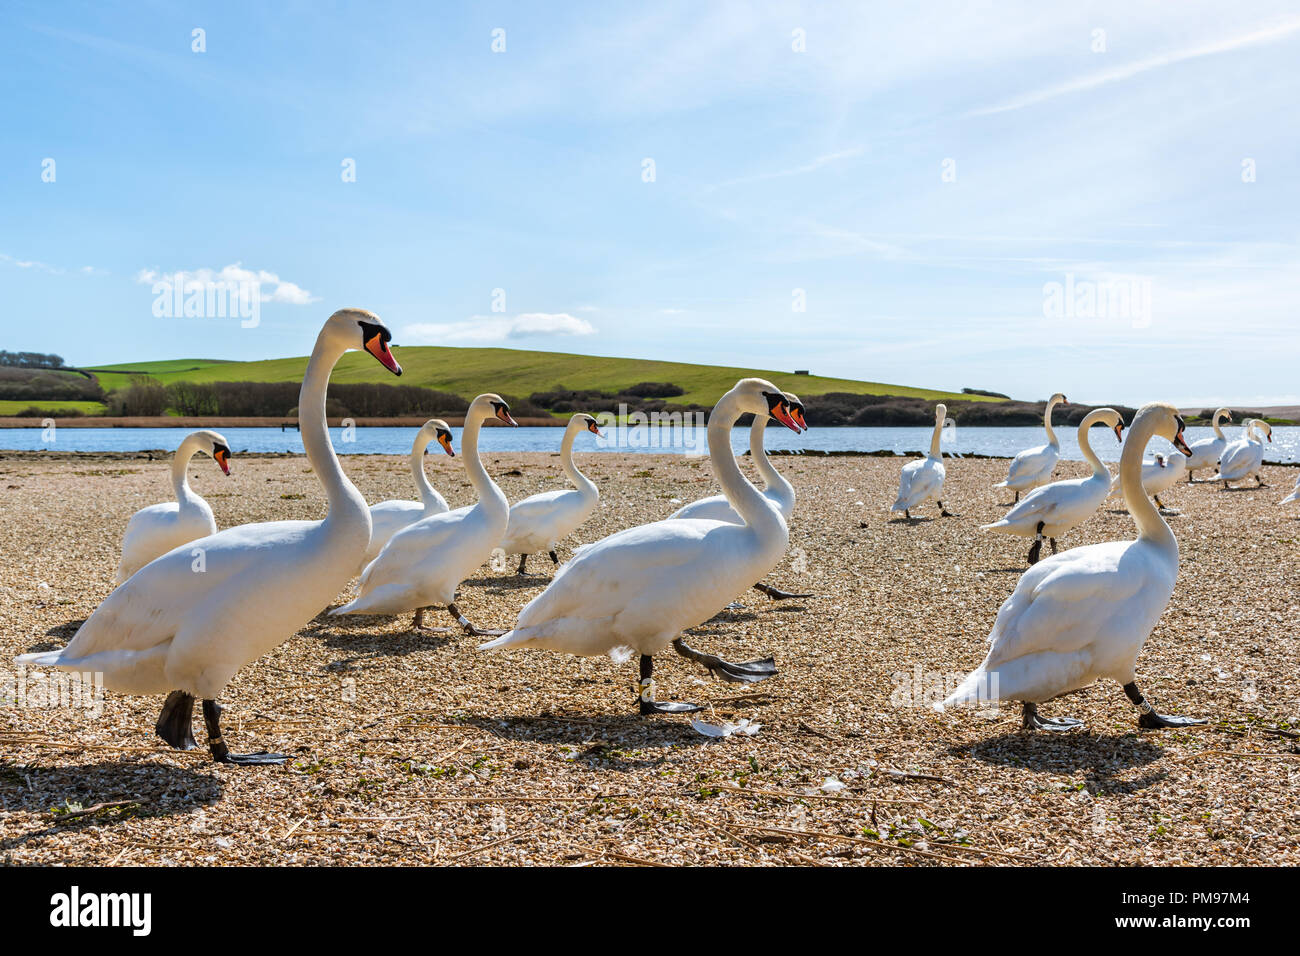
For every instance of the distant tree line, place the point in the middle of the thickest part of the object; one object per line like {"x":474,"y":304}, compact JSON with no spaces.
{"x":25,"y":383}
{"x":846,"y":408}
{"x":642,"y":397}
{"x":30,"y":360}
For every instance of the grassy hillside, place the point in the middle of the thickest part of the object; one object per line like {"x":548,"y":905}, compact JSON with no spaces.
{"x":8,"y":407}
{"x":469,"y":371}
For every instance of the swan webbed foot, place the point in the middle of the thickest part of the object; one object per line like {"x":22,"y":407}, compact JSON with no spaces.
{"x":469,"y":628}
{"x":175,"y":721}
{"x":523,"y":559}
{"x":742,"y":672}
{"x":944,"y":512}
{"x":1032,"y":720}
{"x":776,"y":594}
{"x":1149,"y":719}
{"x":221,"y":753}
{"x":667,"y":707}
{"x":261,"y":758}
{"x":646,"y":702}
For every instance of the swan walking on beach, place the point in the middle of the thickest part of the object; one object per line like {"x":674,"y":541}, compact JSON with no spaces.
{"x":776,"y":489}
{"x":1034,"y":466}
{"x":1052,"y":510}
{"x":188,"y":621}
{"x":541,"y":521}
{"x":638,"y":589}
{"x":1206,"y":452}
{"x":922,"y":480}
{"x":1084,"y":614}
{"x":155,"y":530}
{"x":389,"y":517}
{"x":1244,"y":457}
{"x":424,"y":563}
{"x":1158,"y":475}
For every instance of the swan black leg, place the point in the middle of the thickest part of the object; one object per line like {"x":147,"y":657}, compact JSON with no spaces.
{"x":469,"y":628}
{"x":944,"y":512}
{"x":1030,"y":719}
{"x":417,"y":623}
{"x":1036,"y":550}
{"x":523,"y":559}
{"x":1017,"y":501}
{"x":646,"y":693}
{"x":1260,"y":480}
{"x":776,"y":594}
{"x":1054,"y":548}
{"x":176,"y":719}
{"x":221,"y":753}
{"x":1148,"y":717}
{"x":745,"y":672}
{"x":907,"y":513}
{"x":555,"y":558}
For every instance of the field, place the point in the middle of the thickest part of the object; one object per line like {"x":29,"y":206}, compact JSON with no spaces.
{"x":418,"y":749}
{"x":471,"y":371}
{"x":14,"y":407}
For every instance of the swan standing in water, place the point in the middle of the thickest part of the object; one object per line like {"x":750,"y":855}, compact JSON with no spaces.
{"x":187,"y":626}
{"x":389,"y":517}
{"x":424,"y":563}
{"x":1084,"y":614}
{"x":638,"y":589}
{"x":1207,"y":451}
{"x":1052,"y":510}
{"x":1245,"y":456}
{"x":155,"y":530}
{"x":1034,"y":466}
{"x":776,"y":489}
{"x":922,"y":480}
{"x":540,"y":521}
{"x":1158,"y":475}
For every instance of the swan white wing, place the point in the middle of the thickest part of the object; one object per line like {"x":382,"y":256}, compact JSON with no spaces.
{"x":386,"y":519}
{"x":1206,"y":452}
{"x":1240,"y":459}
{"x":539,"y":520}
{"x":713,"y":508}
{"x":1031,"y":465}
{"x":155,"y":530}
{"x":1059,"y":506}
{"x":918,"y":482}
{"x":1294,"y":496}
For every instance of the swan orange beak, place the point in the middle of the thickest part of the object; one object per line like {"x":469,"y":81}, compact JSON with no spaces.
{"x":445,"y":441}
{"x":503,"y":414}
{"x":797,"y":414}
{"x":1119,"y":432}
{"x":222,"y":458}
{"x":377,"y":346}
{"x":781,"y":413}
{"x":1181,"y":444}
{"x":591,"y":427}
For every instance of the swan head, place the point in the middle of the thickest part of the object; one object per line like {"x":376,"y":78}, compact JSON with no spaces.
{"x":796,"y":410}
{"x":758,"y":396}
{"x":214,"y":444}
{"x":1058,"y":399}
{"x":490,"y":405}
{"x":940,"y":412}
{"x":1107,"y":416}
{"x":1266,"y":428}
{"x":364,"y":331}
{"x":583,"y":420}
{"x":439,"y":431}
{"x":1169,"y":424}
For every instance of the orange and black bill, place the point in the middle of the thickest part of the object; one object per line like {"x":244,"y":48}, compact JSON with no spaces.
{"x":1119,"y":432}
{"x":592,"y":427}
{"x":1179,"y":442}
{"x":221,"y":454}
{"x":503,"y":413}
{"x":376,"y":339}
{"x":796,"y":412}
{"x":444,"y":439}
{"x":779,"y":409}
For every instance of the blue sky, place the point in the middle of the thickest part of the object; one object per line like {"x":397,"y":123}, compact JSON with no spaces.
{"x":922,"y":172}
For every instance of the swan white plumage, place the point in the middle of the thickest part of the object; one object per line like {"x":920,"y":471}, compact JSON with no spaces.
{"x":1034,"y":466}
{"x":640,"y":588}
{"x":1159,"y":474}
{"x":539,"y":522}
{"x":155,"y":530}
{"x":1294,"y":496}
{"x":423,"y":564}
{"x":1206,"y":452}
{"x":187,"y":627}
{"x":776,"y":489}
{"x":1084,"y":614}
{"x":1052,"y":510}
{"x":1245,"y":456}
{"x":922,"y":480}
{"x":389,"y":517}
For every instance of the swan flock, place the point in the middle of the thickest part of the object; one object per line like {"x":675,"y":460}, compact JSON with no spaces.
{"x":1073,"y":618}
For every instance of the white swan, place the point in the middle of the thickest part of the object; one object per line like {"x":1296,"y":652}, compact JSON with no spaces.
{"x":640,"y":588}
{"x":424,"y":563}
{"x":389,"y":517}
{"x":1052,"y":510}
{"x":776,"y":489}
{"x":922,"y":480}
{"x":1158,"y":475}
{"x":1206,"y":452}
{"x":1245,"y":456}
{"x":1294,"y":496}
{"x":1034,"y":466}
{"x":1084,"y":614}
{"x":189,"y":620}
{"x":158,"y":528}
{"x":541,"y":521}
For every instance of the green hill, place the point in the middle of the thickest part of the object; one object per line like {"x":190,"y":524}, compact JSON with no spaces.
{"x":469,"y":371}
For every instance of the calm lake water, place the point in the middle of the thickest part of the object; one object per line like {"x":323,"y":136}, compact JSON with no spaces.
{"x":395,"y":441}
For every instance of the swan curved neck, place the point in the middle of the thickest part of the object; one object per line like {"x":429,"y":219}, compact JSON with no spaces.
{"x":580,"y":481}
{"x":935,"y":439}
{"x":428,"y":494}
{"x":482,"y":482}
{"x":1090,"y":456}
{"x":1151,"y":527}
{"x":180,"y":467}
{"x":743,"y":496}
{"x":1219,"y":416}
{"x":344,"y":499}
{"x":1047,"y":423}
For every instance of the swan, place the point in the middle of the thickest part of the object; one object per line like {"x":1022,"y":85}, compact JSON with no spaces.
{"x":424,"y":563}
{"x":1245,"y":456}
{"x":158,"y":528}
{"x":389,"y":517}
{"x":922,"y":480}
{"x":1207,"y":451}
{"x":1083,"y":614}
{"x":1294,"y":496}
{"x":188,"y":621}
{"x":776,"y":489}
{"x":1052,"y":510}
{"x":1034,"y":466}
{"x":540,"y":521}
{"x":637,"y":589}
{"x":1158,"y":475}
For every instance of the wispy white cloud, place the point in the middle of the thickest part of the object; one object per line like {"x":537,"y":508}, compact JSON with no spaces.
{"x":811,"y":166}
{"x":485,"y":329}
{"x":270,"y":287}
{"x":29,"y":264}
